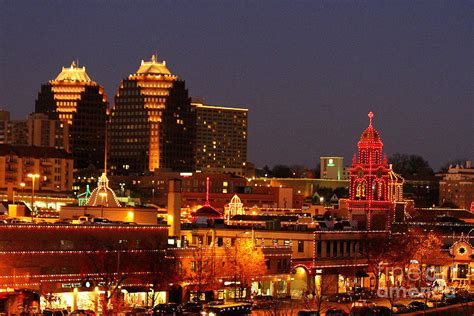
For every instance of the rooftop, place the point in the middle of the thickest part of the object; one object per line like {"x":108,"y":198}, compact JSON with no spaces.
{"x":73,"y":74}
{"x":153,"y":67}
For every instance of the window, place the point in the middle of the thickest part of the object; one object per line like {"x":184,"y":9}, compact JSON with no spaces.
{"x":300,"y":246}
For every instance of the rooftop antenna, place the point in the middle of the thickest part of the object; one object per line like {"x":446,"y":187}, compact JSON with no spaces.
{"x":105,"y":149}
{"x":207,"y":192}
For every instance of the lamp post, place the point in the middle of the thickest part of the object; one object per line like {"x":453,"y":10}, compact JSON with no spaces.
{"x":33,"y":176}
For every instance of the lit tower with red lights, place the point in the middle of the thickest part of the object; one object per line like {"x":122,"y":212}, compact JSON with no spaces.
{"x":369,"y":201}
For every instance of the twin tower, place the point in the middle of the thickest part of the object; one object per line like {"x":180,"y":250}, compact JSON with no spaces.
{"x":151,"y":125}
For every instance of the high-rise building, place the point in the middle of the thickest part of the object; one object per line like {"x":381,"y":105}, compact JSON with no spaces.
{"x":369,"y":199}
{"x":221,"y":138}
{"x":44,"y":131}
{"x":153,"y":125}
{"x":82,"y":104}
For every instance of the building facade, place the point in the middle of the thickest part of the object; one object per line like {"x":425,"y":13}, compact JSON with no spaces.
{"x":76,"y":100}
{"x":52,"y":166}
{"x":333,"y":168}
{"x":221,"y":138}
{"x":76,"y":268}
{"x":457,"y":186}
{"x":153,"y":125}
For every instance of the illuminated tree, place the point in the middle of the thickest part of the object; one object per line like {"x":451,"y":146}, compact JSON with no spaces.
{"x":244,"y":262}
{"x":201,"y":271}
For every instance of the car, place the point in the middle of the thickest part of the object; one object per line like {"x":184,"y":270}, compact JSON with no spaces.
{"x":340,"y":298}
{"x":363,"y":303}
{"x":233,"y":309}
{"x":308,"y":313}
{"x":55,"y":312}
{"x":417,"y":306}
{"x":190,"y":308}
{"x":415,"y":294}
{"x":101,"y":221}
{"x":135,"y":311}
{"x":86,"y":312}
{"x":336,"y":312}
{"x":435,"y":303}
{"x":262,"y":301}
{"x":166,"y":309}
{"x":399,"y":308}
{"x":380,"y":311}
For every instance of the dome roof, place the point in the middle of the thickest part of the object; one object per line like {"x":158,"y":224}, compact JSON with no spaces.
{"x":370,"y":135}
{"x":153,"y":67}
{"x":103,"y":195}
{"x":207,"y":211}
{"x":235,"y":200}
{"x":73,"y":73}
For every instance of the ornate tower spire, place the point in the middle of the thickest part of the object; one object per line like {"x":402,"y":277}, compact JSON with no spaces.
{"x":370,"y":115}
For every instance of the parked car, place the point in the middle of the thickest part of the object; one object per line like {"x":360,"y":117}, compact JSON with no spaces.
{"x":417,"y":306}
{"x":308,"y":313}
{"x":86,"y":312}
{"x":55,"y":312}
{"x":235,"y":309}
{"x":399,"y":308}
{"x":336,"y":312}
{"x":190,"y":308}
{"x":363,"y":303}
{"x":262,"y":301}
{"x":101,"y":221}
{"x":165,"y":309}
{"x":415,"y":294}
{"x":380,"y":311}
{"x":340,"y":298}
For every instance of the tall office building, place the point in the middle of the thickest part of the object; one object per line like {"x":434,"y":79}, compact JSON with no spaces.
{"x":153,"y":125}
{"x":221,"y":138}
{"x":82,"y":104}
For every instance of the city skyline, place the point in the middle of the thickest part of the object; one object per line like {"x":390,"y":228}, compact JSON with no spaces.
{"x":408,"y":63}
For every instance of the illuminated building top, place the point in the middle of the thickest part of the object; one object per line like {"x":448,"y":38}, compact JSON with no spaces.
{"x":103,"y":195}
{"x":73,"y":74}
{"x":153,"y":67}
{"x":69,"y":87}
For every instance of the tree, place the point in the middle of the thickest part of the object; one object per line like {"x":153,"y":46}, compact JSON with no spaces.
{"x":314,"y":299}
{"x":201,"y":272}
{"x":244,"y":262}
{"x":282,"y":171}
{"x":162,"y":271}
{"x":410,"y":165}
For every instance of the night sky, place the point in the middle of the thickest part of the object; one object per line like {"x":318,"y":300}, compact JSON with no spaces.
{"x":309,"y":71}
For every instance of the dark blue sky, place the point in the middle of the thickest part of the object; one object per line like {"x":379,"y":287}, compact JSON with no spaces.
{"x":309,"y":71}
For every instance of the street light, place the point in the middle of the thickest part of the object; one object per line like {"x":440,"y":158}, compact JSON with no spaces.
{"x":33,"y":176}
{"x":22,"y":185}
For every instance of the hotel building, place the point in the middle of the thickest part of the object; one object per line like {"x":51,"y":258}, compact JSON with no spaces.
{"x":221,"y":139}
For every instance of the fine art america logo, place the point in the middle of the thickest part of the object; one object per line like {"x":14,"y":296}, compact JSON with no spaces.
{"x":413,"y":282}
